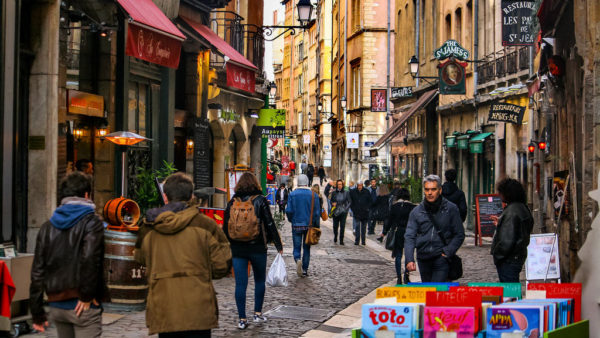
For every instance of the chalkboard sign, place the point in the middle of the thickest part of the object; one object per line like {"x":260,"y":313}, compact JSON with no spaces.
{"x":202,"y":165}
{"x":486,"y":207}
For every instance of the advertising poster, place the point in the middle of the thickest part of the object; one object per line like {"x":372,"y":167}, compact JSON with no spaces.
{"x":378,"y":100}
{"x":271,"y":123}
{"x":542,"y":257}
{"x":352,"y":140}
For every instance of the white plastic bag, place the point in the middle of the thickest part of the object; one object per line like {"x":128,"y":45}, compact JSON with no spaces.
{"x":277,"y":275}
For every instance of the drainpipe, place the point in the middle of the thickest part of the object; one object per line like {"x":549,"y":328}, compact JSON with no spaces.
{"x":346,"y":152}
{"x":475,"y":45}
{"x":387,"y":86}
{"x":417,"y":33}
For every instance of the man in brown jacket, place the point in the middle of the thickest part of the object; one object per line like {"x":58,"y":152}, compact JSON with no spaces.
{"x":183,"y":251}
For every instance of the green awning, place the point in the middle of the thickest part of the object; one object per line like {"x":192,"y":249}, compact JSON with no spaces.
{"x":480,"y":137}
{"x":463,"y":137}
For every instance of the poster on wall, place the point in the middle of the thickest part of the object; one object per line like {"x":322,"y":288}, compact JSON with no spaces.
{"x":378,"y":100}
{"x":306,"y":138}
{"x":352,"y":140}
{"x":327,"y":163}
{"x":517,"y":20}
{"x":560,"y":194}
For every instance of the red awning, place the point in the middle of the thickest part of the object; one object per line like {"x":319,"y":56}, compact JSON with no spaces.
{"x":421,"y":102}
{"x":221,"y":45}
{"x":151,"y":36}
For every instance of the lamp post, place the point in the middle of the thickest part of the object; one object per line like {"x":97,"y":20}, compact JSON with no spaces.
{"x":305,"y":10}
{"x":414,"y":69}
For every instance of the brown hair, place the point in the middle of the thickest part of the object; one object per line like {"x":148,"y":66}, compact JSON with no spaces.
{"x":247,"y":184}
{"x":316,"y":189}
{"x":383,"y":190}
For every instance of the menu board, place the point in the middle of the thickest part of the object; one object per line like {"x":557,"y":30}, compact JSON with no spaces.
{"x":542,"y":257}
{"x":487,"y":206}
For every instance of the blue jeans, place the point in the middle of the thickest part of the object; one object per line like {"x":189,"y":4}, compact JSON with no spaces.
{"x":508,"y":271}
{"x":299,"y":237}
{"x":240,"y":269}
{"x":434,"y":269}
{"x":360,"y":230}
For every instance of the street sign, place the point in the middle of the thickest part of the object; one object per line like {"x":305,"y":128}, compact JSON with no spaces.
{"x":286,"y":141}
{"x":451,"y":48}
{"x":306,"y":138}
{"x":378,"y":100}
{"x":400,"y":92}
{"x":517,"y":20}
{"x":352,"y":140}
{"x":369,"y":144}
{"x":452,"y":77}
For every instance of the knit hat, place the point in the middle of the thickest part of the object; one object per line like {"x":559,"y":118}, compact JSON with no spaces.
{"x":302,"y":180}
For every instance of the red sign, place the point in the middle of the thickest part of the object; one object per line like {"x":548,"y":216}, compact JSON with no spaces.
{"x":562,"y":290}
{"x":378,"y":100}
{"x":215,"y":213}
{"x":240,"y":77}
{"x":153,"y":47}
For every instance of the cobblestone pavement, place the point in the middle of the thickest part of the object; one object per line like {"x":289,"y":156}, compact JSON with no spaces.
{"x":334,"y":284}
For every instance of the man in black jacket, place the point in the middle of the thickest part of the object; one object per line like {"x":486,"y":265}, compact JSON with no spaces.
{"x":68,"y":264}
{"x":421,"y":233}
{"x":453,"y":194}
{"x":360,"y":203}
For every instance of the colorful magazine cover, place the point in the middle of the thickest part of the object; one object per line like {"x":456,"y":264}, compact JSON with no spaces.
{"x":526,"y":320}
{"x":388,"y":321}
{"x":460,"y":320}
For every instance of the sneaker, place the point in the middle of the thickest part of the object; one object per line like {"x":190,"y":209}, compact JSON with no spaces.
{"x":299,"y":268}
{"x":259,"y":318}
{"x":243,"y":324}
{"x":305,"y":274}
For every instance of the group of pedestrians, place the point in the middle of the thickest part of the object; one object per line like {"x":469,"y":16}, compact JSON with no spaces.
{"x":184,"y":251}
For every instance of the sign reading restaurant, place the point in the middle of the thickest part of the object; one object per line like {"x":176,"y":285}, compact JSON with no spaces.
{"x":505,"y":112}
{"x":517,"y":19}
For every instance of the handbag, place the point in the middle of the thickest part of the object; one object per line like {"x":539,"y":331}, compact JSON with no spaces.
{"x":390,"y":239}
{"x":313,"y":234}
{"x":324,"y":215}
{"x":455,"y":263}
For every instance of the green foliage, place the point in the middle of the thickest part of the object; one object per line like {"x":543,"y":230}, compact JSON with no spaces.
{"x":146,"y":194}
{"x":413,"y":184}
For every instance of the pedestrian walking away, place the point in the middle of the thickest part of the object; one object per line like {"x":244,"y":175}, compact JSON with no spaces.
{"x":310,"y":173}
{"x":68,"y":264}
{"x":317,"y":190}
{"x":249,"y":226}
{"x":453,"y":194}
{"x":373,"y":191}
{"x":381,"y":206}
{"x":281,"y":197}
{"x":293,"y":167}
{"x":321,"y":173}
{"x":329,"y":188}
{"x":180,"y":282}
{"x":361,"y":199}
{"x":303,"y":167}
{"x":300,"y":203}
{"x":340,"y":199}
{"x":355,"y":222}
{"x":396,"y":225}
{"x":513,"y":229}
{"x":421,"y":234}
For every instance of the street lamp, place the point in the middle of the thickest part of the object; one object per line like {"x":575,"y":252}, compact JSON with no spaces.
{"x":414,"y":69}
{"x":319,"y":107}
{"x":273,"y":89}
{"x":343,"y":102}
{"x":305,"y":9}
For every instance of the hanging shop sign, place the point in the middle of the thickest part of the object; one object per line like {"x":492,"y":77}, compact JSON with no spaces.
{"x":452,"y":77}
{"x":240,"y":78}
{"x":400,"y":92}
{"x":378,"y":100}
{"x":306,"y":138}
{"x":286,"y":141}
{"x":517,"y":20}
{"x":153,"y":47}
{"x":451,"y":48}
{"x":271,"y":123}
{"x":229,"y":116}
{"x":352,"y":141}
{"x":85,"y":103}
{"x":505,"y":112}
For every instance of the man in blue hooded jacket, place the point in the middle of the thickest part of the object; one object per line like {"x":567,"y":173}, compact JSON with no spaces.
{"x":298,"y":213}
{"x":68,"y":264}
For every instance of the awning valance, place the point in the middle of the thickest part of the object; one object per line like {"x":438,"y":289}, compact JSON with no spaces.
{"x":420,"y":103}
{"x":151,"y":36}
{"x":479,"y":137}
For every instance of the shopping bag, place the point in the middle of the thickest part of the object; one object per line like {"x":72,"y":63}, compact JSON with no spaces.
{"x":277,"y":275}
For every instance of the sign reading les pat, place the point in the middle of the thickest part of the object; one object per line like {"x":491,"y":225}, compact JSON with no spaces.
{"x":517,"y":20}
{"x":505,"y":112}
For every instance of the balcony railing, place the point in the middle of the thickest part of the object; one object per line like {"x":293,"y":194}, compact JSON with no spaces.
{"x":498,"y":67}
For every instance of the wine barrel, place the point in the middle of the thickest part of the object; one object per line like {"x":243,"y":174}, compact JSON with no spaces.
{"x":122,"y":211}
{"x":126,"y":278}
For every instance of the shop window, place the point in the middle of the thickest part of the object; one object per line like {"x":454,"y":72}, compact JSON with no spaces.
{"x":138,"y":117}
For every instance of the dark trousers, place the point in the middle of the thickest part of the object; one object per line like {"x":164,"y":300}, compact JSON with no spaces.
{"x":282,"y":207}
{"x":339,"y":222}
{"x":240,"y":269}
{"x":397,"y":254}
{"x":310,"y":180}
{"x":372,"y":223}
{"x":360,"y":232}
{"x":321,"y":178}
{"x":186,"y":334}
{"x":434,"y":269}
{"x":508,"y":272}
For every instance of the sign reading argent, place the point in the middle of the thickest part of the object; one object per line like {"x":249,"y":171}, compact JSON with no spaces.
{"x":517,"y":17}
{"x":505,"y":112}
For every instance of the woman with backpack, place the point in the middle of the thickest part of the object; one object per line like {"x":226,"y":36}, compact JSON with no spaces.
{"x":340,"y":199}
{"x":396,"y":222}
{"x":249,"y":226}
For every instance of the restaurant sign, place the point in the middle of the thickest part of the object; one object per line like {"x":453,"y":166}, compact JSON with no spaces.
{"x":505,"y":112}
{"x":451,"y":48}
{"x":150,"y":46}
{"x":85,"y":104}
{"x":240,"y":78}
{"x":517,"y":21}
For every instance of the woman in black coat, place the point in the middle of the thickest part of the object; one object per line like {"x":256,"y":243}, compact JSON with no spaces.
{"x":321,"y":173}
{"x":397,"y":221}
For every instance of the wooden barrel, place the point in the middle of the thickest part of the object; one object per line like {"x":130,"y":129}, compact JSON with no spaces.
{"x":122,"y":211}
{"x":125,"y":277}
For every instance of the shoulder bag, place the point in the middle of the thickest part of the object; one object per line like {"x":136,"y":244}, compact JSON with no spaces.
{"x":455,"y":263}
{"x":313,"y":234}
